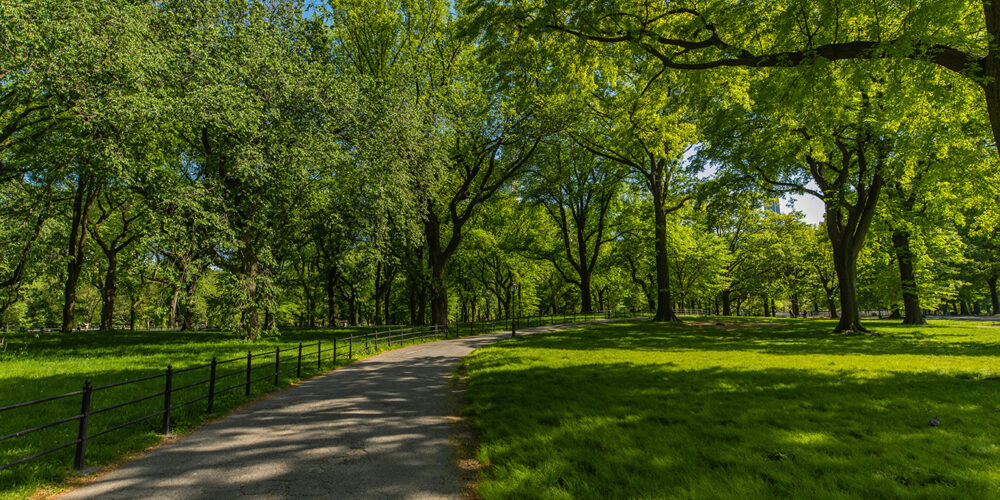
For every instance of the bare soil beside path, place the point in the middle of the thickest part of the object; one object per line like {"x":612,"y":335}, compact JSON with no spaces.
{"x":377,"y":428}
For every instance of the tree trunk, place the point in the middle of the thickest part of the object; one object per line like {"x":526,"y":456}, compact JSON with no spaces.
{"x":437,"y":261}
{"x":108,"y":293}
{"x":727,"y":303}
{"x":991,"y":69}
{"x":664,"y":303}
{"x":994,"y":297}
{"x":963,"y":308}
{"x":187,"y":316}
{"x":175,"y":298}
{"x":847,"y":275}
{"x":586,"y":305}
{"x":249,"y":310}
{"x":131,"y":313}
{"x":331,"y":297}
{"x":385,"y":303}
{"x":912,"y":313}
{"x":86,"y":192}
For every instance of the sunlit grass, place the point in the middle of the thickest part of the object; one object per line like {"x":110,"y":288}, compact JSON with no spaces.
{"x":757,"y":409}
{"x":35,"y":366}
{"x":47,"y":364}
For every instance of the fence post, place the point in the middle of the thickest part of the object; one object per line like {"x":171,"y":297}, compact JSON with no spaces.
{"x":298,"y":366}
{"x":81,"y":437}
{"x":319,"y":355}
{"x":335,"y":352}
{"x":368,"y":348}
{"x":249,"y":361}
{"x":168,"y":390}
{"x":350,"y":347}
{"x":211,"y":387}
{"x":277,"y":363}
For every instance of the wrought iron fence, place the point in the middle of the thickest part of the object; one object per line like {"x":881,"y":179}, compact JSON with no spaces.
{"x":241,"y":373}
{"x":249,"y":369}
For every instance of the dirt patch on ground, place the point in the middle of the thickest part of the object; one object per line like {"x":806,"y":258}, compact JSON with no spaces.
{"x":463,"y":436}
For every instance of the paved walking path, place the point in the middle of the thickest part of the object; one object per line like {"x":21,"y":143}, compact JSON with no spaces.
{"x":377,"y":428}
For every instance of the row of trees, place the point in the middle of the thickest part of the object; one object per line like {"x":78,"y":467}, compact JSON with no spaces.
{"x":251,"y":163}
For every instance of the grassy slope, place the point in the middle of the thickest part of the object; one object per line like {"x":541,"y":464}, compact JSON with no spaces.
{"x":752,"y":411}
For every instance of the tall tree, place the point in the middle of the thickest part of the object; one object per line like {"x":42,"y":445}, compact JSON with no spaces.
{"x":578,"y":191}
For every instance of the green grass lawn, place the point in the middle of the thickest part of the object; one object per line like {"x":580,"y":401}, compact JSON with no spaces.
{"x":758,"y":409}
{"x":36,"y":366}
{"x":40,"y":365}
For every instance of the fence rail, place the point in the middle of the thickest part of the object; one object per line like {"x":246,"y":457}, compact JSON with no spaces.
{"x":250,"y":369}
{"x":265,"y":365}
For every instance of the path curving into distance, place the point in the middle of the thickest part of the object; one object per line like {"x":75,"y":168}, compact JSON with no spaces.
{"x":377,"y":428}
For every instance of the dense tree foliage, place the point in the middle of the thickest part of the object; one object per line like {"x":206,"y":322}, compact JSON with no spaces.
{"x":260,"y":164}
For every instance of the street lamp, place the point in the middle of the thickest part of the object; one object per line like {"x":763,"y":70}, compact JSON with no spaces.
{"x":513,"y":310}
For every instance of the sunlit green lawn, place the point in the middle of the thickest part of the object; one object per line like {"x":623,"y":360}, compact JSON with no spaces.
{"x":40,"y":365}
{"x":35,"y":366}
{"x":783,"y":409}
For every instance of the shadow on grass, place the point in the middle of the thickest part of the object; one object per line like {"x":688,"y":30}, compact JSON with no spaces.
{"x":621,"y":430}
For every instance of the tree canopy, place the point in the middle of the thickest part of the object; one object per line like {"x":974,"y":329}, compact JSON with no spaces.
{"x":259,"y":164}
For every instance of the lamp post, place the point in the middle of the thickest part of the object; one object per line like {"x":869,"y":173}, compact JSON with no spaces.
{"x":513,"y":310}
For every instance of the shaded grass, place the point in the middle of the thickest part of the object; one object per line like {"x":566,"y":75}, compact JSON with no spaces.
{"x":643,"y":410}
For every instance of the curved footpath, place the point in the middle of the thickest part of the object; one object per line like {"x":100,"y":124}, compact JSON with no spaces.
{"x":377,"y":428}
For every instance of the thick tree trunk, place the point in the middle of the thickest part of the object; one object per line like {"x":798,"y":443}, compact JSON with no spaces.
{"x":437,"y":261}
{"x":767,"y":310}
{"x":187,"y":316}
{"x":86,"y":192}
{"x":963,"y":308}
{"x":108,"y":293}
{"x":586,"y":305}
{"x":991,"y":69}
{"x":664,"y":303}
{"x":846,"y":265}
{"x":249,"y":310}
{"x":175,"y":299}
{"x":727,"y":303}
{"x":913,"y":315}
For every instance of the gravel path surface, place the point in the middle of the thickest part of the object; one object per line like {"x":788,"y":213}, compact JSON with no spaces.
{"x":377,"y":428}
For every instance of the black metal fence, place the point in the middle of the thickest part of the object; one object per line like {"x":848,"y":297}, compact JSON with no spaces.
{"x":225,"y":376}
{"x":239,"y":375}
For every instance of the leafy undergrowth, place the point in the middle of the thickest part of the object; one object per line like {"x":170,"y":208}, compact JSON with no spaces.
{"x":751,"y":409}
